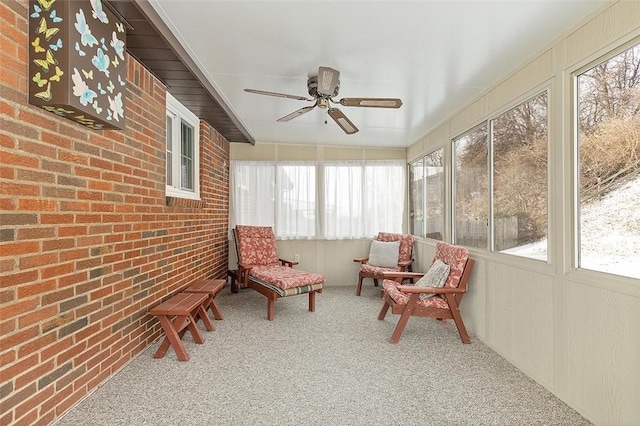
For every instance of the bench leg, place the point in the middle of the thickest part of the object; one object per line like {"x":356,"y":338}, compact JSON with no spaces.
{"x":195,"y":332}
{"x":172,"y":337}
{"x":201,"y":313}
{"x":216,"y":312}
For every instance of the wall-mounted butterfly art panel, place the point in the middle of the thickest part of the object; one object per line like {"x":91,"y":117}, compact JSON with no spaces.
{"x":78,"y":63}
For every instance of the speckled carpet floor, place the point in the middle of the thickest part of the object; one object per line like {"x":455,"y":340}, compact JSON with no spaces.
{"x":331,"y":367}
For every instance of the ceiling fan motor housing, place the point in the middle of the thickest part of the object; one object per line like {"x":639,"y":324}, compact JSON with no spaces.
{"x":312,"y":85}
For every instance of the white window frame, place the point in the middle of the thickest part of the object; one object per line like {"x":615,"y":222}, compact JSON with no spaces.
{"x":177,"y":113}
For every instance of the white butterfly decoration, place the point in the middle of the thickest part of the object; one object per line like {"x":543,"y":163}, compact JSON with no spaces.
{"x":118,"y":45}
{"x":97,"y":12}
{"x":86,"y":38}
{"x":116,"y":106}
{"x":81,"y":90}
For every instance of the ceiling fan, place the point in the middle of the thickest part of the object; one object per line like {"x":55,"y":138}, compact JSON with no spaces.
{"x":322,"y":89}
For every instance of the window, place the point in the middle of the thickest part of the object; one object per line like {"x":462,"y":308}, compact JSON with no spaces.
{"x":416,"y":197}
{"x":331,"y":200}
{"x":434,"y":184}
{"x":253,"y":193}
{"x":182,"y":155}
{"x":608,"y":139}
{"x":471,"y":188}
{"x":426,"y":196}
{"x":519,"y":152}
{"x":295,"y":200}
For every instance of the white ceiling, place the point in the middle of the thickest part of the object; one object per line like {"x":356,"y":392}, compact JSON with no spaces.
{"x":437,"y":56}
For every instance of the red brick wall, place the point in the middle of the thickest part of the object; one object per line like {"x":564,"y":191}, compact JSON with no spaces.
{"x":88,"y":241}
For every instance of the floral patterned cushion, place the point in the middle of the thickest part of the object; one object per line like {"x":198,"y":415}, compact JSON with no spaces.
{"x":256,"y":245}
{"x":285,"y":277}
{"x":391,"y":288}
{"x":376,"y":270}
{"x":406,"y":244}
{"x":454,"y":256}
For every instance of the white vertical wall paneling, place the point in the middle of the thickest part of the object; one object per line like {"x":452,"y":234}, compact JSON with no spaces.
{"x":604,"y":354}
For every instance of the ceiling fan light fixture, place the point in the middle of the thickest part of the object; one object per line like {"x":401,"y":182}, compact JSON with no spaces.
{"x":328,"y":81}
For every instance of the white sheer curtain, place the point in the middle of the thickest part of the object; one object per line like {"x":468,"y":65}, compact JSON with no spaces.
{"x":362,"y":198}
{"x":384,"y":184}
{"x":330,"y":200}
{"x":296,"y":200}
{"x":252,"y":193}
{"x":343,"y":187}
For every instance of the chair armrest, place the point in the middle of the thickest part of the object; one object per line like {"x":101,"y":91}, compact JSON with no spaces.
{"x":288,"y":263}
{"x":361,"y":260}
{"x":244,"y":266}
{"x":389,"y":275}
{"x":429,"y":290}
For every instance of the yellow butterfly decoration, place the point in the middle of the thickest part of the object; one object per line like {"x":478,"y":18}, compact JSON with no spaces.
{"x":48,"y":60}
{"x":36,"y":45}
{"x":48,"y":32}
{"x":88,"y":74}
{"x":115,"y":62}
{"x":65,"y":111}
{"x":56,"y":77}
{"x":46,"y":95}
{"x":37,"y":78}
{"x":120,"y":27}
{"x":46,"y":4}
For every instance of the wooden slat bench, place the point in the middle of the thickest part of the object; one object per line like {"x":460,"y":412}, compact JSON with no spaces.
{"x":211,"y":288}
{"x":182,"y":307}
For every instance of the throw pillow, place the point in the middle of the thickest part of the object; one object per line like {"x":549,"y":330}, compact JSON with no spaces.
{"x":384,"y":254}
{"x":436,"y":276}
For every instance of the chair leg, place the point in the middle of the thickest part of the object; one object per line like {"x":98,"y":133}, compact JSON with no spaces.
{"x":404,"y":318}
{"x":312,"y":301}
{"x":457,"y":318}
{"x":359,"y":288}
{"x":271,"y":308}
{"x":383,"y":311}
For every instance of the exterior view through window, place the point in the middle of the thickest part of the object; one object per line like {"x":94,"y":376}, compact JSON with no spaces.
{"x":416,"y":197}
{"x":519,"y":144}
{"x":426,"y":198}
{"x":608,"y":114}
{"x":471,"y":188}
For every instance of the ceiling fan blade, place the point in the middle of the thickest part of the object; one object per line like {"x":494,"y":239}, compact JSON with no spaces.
{"x":297,"y":113}
{"x":371,"y":102}
{"x":328,"y":81}
{"x":279,"y":95}
{"x":342,"y":121}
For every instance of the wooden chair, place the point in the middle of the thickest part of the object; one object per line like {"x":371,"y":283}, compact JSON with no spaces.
{"x":260,"y":268}
{"x":404,"y":300}
{"x":405,"y":258}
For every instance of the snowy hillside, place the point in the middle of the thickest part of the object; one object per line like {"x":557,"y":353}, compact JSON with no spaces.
{"x":610,"y":231}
